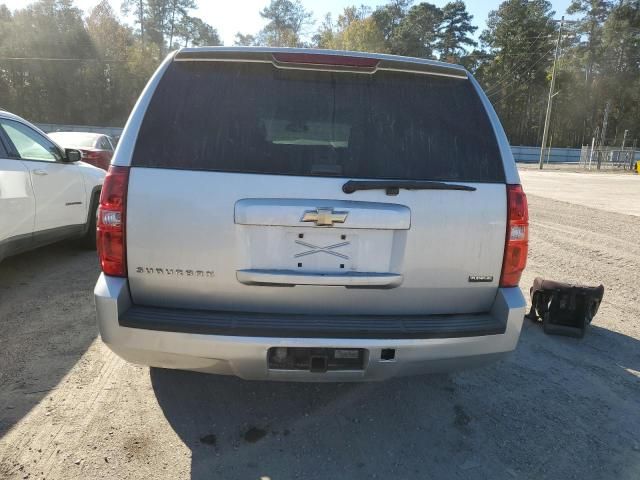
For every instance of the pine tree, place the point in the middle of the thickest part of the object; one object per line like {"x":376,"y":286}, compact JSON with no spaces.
{"x":519,"y":43}
{"x":454,"y":32}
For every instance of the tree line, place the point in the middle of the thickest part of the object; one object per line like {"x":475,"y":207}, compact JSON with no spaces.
{"x":58,"y":66}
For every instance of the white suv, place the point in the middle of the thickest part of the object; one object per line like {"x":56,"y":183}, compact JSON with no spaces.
{"x":46,"y":193}
{"x":299,"y":214}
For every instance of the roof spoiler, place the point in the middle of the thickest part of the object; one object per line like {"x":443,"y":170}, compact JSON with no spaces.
{"x":325,"y":60}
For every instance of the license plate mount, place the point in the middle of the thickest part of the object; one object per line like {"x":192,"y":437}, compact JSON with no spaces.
{"x":321,"y":251}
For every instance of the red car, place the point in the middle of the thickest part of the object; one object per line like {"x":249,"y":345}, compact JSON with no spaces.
{"x":96,"y":148}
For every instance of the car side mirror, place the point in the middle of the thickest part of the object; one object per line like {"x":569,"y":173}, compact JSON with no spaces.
{"x":72,"y":155}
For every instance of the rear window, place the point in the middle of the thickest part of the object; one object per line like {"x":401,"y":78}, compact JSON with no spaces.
{"x":256,"y":118}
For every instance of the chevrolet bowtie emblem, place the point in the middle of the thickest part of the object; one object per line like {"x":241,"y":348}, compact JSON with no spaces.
{"x":324,"y":217}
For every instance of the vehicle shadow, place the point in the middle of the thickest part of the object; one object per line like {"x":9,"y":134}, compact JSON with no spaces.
{"x":47,"y":322}
{"x":503,"y":421}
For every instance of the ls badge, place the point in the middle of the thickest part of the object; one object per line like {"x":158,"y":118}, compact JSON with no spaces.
{"x":480,"y":278}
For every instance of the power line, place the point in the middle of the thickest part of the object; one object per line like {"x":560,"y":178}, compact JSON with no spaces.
{"x":513,"y":93}
{"x":515,"y":67}
{"x":523,"y":54}
{"x":514,"y":81}
{"x":45,"y":59}
{"x":492,"y":90}
{"x":508,"y":75}
{"x":501,"y":84}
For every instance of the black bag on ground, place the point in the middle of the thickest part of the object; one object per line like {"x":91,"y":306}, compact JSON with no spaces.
{"x":564,"y":309}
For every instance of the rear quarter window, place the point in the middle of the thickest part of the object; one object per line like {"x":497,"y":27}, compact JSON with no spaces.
{"x":256,"y":118}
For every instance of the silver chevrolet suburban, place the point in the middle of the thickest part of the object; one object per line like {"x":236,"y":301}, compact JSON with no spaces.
{"x":295,"y":214}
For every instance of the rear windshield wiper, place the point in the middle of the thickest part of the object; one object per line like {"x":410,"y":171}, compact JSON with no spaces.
{"x":392,"y":187}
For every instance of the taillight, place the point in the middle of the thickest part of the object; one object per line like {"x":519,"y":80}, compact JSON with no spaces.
{"x":110,"y":235}
{"x":517,"y":241}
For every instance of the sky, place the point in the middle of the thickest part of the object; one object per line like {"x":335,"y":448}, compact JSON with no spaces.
{"x":230,"y":17}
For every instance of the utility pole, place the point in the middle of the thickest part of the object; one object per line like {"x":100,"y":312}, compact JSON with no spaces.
{"x":605,"y":121}
{"x":603,"y":132}
{"x":624,"y":140}
{"x":545,"y":131}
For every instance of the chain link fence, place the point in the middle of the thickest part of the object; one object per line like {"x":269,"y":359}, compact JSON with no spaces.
{"x":599,"y":157}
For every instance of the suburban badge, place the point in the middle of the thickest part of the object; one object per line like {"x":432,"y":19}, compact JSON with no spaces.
{"x":175,"y":272}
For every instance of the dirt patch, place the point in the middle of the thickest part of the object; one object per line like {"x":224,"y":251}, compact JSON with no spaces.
{"x":136,"y":447}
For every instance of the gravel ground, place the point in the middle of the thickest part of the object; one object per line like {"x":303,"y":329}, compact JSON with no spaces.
{"x":614,"y":192}
{"x":557,"y":408}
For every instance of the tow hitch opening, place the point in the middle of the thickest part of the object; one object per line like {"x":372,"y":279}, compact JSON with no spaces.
{"x":318,"y":364}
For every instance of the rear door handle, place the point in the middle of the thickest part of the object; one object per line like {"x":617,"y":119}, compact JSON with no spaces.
{"x":40,"y":172}
{"x":288,"y":277}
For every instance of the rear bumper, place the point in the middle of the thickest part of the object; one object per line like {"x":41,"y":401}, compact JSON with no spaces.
{"x":156,"y":343}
